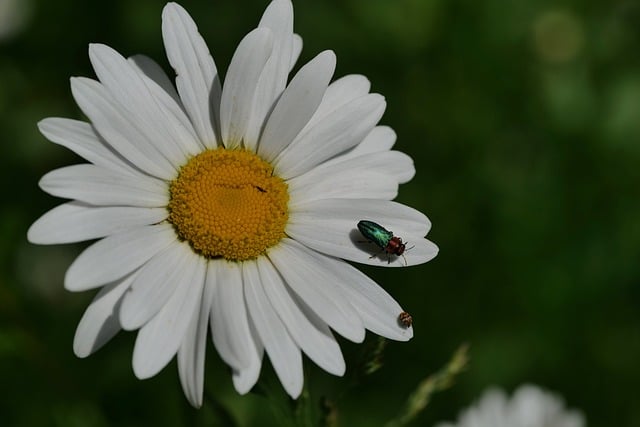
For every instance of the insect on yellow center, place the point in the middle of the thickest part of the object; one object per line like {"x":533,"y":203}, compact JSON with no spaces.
{"x":228,"y":203}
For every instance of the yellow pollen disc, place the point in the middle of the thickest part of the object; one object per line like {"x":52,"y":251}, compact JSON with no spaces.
{"x":228,"y":203}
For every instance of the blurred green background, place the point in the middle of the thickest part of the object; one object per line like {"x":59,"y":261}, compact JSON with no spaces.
{"x":523,"y":119}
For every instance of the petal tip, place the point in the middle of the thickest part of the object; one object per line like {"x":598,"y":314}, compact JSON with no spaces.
{"x":329,"y":56}
{"x":43,"y":123}
{"x":171,"y":7}
{"x":142,"y":368}
{"x":80,"y":352}
{"x":72,"y":283}
{"x":97,"y":48}
{"x":33,"y":233}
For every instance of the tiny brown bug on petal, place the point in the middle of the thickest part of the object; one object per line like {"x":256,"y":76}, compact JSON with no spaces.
{"x":405,"y":319}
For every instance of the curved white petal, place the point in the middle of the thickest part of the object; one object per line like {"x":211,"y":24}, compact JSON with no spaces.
{"x":159,"y":340}
{"x":396,"y":165}
{"x":367,"y":183}
{"x":82,"y":139}
{"x":156,"y":282}
{"x":330,"y":226}
{"x":153,"y":110}
{"x":339,"y":93}
{"x":95,"y":185}
{"x":75,"y":222}
{"x":372,"y":176}
{"x":392,"y":215}
{"x":119,"y":128}
{"x":283,"y":352}
{"x":296,"y":50}
{"x":296,"y":106}
{"x":197,"y":76}
{"x":240,"y":84}
{"x":244,"y":379}
{"x":116,"y":256}
{"x":311,"y":276}
{"x":278,"y":17}
{"x":100,"y":322}
{"x":338,"y":131}
{"x":229,"y":318}
{"x":180,"y":128}
{"x":154,"y":71}
{"x":377,"y":309}
{"x":191,"y":355}
{"x":314,"y":338}
{"x":381,"y":138}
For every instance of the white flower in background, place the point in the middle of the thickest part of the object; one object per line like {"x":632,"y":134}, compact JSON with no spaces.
{"x":530,"y":406}
{"x":229,"y":206}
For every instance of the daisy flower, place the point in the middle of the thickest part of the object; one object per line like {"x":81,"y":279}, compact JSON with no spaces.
{"x":229,"y":207}
{"x":530,"y":406}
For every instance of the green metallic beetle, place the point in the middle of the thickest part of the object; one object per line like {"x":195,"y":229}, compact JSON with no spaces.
{"x":383,"y":238}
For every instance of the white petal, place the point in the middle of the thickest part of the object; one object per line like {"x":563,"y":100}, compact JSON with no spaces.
{"x":119,"y":128}
{"x":229,"y":319}
{"x":395,"y":164}
{"x":159,"y":340}
{"x":336,"y":132}
{"x":184,"y":134}
{"x":297,"y":104}
{"x":153,"y":110}
{"x":380,"y":139}
{"x":191,"y":355}
{"x":315,"y":339}
{"x":82,"y":139}
{"x":116,"y":256}
{"x":418,"y":251}
{"x":75,"y":222}
{"x":372,"y":176}
{"x":377,"y":309}
{"x":155,"y":284}
{"x":311,"y":276}
{"x":99,"y":322}
{"x":95,"y":185}
{"x":240,"y":84}
{"x":244,"y":379}
{"x":339,"y":93}
{"x":330,"y":226}
{"x":197,"y":76}
{"x":396,"y":215}
{"x":283,"y":352}
{"x":368,"y":184}
{"x":154,"y":71}
{"x":295,"y":51}
{"x":278,"y":17}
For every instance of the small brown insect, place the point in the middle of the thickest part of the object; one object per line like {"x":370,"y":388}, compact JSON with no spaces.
{"x":405,"y":319}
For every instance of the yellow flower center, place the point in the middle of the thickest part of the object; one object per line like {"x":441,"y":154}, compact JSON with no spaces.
{"x":228,"y":203}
